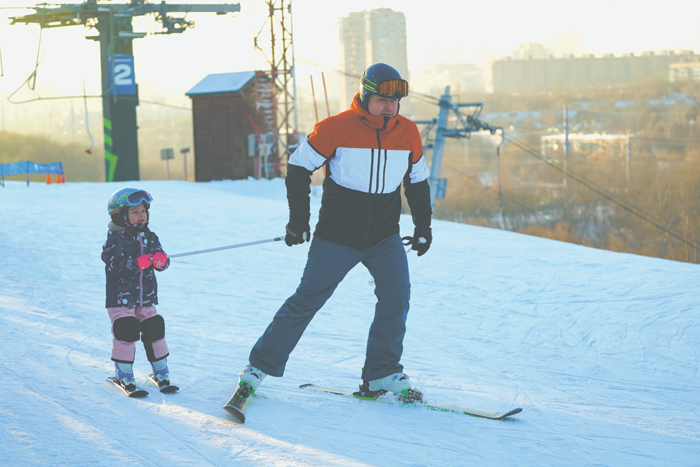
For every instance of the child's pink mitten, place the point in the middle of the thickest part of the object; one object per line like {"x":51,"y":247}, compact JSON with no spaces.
{"x":160,"y":259}
{"x":145,"y":261}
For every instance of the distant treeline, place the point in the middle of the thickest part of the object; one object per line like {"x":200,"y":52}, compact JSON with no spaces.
{"x":81,"y":166}
{"x":656,"y":177}
{"x":78,"y":166}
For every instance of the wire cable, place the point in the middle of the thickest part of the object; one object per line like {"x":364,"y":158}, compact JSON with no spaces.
{"x":426,"y":97}
{"x":624,"y":204}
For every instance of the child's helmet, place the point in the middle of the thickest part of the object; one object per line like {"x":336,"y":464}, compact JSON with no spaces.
{"x":127,"y":197}
{"x":381,"y":79}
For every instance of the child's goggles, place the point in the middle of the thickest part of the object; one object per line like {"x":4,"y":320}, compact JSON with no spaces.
{"x":138,"y":197}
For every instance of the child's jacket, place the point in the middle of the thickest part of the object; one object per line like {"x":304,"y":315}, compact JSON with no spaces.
{"x":127,"y":285}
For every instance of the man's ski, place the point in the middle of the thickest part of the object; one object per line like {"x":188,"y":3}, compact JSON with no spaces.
{"x":237,"y":403}
{"x":164,"y":386}
{"x":441,"y":408}
{"x":135,"y":392}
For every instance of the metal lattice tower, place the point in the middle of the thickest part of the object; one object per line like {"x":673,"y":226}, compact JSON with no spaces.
{"x":274,"y":40}
{"x":119,"y":88}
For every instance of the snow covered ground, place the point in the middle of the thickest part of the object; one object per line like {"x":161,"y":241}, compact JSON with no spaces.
{"x":601,"y":350}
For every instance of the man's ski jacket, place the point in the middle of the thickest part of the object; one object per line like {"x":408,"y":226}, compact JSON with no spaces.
{"x":366,"y":159}
{"x":127,"y":285}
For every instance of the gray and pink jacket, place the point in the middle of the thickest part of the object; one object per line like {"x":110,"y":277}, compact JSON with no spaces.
{"x":127,"y":285}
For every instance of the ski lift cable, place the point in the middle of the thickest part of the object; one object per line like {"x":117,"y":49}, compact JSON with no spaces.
{"x":624,"y":204}
{"x":426,"y":97}
{"x":628,"y":206}
{"x":472,"y":181}
{"x":85,"y":103}
{"x":32,"y":75}
{"x":87,"y":119}
{"x":32,"y":86}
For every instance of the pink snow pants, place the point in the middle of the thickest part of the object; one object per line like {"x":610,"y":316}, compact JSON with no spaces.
{"x":125,"y":351}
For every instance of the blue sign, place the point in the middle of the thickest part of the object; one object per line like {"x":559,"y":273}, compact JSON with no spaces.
{"x":121,"y":78}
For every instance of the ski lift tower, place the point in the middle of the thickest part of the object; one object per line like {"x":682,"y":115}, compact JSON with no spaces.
{"x":119,"y":88}
{"x":466,"y":126}
{"x":274,"y":40}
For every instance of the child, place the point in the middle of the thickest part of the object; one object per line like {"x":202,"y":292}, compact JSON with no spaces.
{"x":131,"y":253}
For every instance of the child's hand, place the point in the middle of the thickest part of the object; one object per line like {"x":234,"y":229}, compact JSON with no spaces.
{"x":160,"y":259}
{"x":145,"y":261}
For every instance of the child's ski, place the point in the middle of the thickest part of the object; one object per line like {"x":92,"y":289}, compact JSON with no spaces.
{"x":164,"y":386}
{"x":129,"y":392}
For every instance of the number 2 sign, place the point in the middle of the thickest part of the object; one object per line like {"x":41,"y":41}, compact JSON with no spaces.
{"x":121,"y":76}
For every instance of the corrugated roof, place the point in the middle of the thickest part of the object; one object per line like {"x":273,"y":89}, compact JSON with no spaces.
{"x":222,"y":82}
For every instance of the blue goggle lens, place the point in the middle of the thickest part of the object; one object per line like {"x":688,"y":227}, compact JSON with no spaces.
{"x":138,"y":197}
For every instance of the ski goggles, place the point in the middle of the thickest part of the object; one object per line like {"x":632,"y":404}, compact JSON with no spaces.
{"x":391,"y":88}
{"x":138,"y":197}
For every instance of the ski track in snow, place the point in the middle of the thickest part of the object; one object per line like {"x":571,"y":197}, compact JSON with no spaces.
{"x":599,"y":348}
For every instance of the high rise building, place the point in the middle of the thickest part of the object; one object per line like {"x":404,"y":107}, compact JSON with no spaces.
{"x":369,"y":37}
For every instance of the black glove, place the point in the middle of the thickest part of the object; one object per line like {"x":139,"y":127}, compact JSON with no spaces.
{"x":422,"y":238}
{"x":297,"y":234}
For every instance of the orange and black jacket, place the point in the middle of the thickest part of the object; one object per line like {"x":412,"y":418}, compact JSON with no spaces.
{"x":366,"y":158}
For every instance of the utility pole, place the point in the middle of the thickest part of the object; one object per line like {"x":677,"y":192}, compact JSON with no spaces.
{"x":113,"y":23}
{"x":627,"y":162}
{"x":567,"y":155}
{"x":567,"y":147}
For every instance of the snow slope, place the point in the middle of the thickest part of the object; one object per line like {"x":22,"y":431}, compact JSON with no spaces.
{"x":599,"y":349}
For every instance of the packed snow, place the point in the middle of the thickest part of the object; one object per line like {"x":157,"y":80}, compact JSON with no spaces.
{"x":600,"y":349}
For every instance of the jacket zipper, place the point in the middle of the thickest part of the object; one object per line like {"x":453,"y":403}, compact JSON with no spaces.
{"x":141,"y":272}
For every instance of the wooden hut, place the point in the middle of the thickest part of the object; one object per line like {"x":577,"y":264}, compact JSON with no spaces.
{"x":224,"y":115}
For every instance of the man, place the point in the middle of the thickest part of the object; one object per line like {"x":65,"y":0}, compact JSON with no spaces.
{"x":367,"y":151}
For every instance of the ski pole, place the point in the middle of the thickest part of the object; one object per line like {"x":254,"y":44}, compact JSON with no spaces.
{"x":407,"y":242}
{"x":237,"y":245}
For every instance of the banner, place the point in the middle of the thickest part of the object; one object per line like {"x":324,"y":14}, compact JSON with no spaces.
{"x":29,"y":167}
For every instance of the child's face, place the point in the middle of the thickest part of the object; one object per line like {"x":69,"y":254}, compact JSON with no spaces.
{"x":137,"y":214}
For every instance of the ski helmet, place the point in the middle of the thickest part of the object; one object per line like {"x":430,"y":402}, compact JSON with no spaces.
{"x":383,"y":80}
{"x":124,"y":198}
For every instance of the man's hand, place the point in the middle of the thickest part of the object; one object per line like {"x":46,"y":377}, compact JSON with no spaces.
{"x":297,"y":234}
{"x":422,"y":238}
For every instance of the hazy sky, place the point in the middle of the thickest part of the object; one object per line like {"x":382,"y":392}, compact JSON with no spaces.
{"x":438,"y":31}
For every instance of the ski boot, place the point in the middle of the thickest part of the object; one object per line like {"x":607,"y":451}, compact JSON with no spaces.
{"x":124,"y":372}
{"x":398,"y":384}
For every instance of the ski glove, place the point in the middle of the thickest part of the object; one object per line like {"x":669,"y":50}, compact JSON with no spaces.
{"x":145,"y":261}
{"x":297,"y":234}
{"x":422,"y":238}
{"x":160,"y":260}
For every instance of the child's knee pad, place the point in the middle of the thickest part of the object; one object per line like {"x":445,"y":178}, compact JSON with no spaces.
{"x":153,"y":328}
{"x":126,"y":329}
